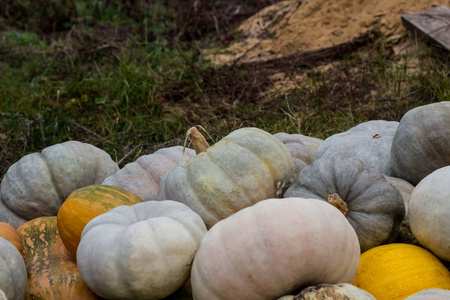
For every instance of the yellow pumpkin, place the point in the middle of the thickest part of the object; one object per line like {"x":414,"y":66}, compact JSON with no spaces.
{"x":396,"y":271}
{"x":83,"y":205}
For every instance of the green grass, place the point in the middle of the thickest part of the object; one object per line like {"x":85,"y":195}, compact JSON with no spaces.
{"x":129,"y":84}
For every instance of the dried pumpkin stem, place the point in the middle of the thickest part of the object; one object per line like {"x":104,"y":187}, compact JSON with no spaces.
{"x":337,"y":202}
{"x":198,"y":140}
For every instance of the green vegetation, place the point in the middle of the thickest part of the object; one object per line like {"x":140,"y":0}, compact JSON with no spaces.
{"x":130,"y":78}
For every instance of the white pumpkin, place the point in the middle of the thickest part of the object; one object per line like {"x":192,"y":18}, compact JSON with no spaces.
{"x":144,"y":251}
{"x":273,"y":248}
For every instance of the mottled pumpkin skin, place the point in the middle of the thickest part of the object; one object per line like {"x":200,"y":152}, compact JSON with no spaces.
{"x":10,"y":234}
{"x":83,"y":205}
{"x":245,"y":167}
{"x":396,"y":271}
{"x":39,"y":183}
{"x":272,"y":249}
{"x":376,"y":208}
{"x":13,"y":273}
{"x":52,"y":271}
{"x":143,"y":176}
{"x":339,"y":291}
{"x":421,"y":143}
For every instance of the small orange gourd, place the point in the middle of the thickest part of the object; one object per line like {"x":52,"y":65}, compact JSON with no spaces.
{"x":9,"y":233}
{"x":396,"y":271}
{"x":83,"y":205}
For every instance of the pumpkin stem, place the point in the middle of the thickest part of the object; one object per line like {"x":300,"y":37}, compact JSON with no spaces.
{"x":337,"y":202}
{"x":198,"y":140}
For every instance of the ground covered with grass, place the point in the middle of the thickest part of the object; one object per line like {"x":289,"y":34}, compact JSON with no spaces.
{"x":131,"y":77}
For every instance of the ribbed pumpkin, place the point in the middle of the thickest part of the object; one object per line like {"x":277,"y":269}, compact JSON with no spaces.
{"x":272,"y":249}
{"x":429,"y":212}
{"x":245,"y":167}
{"x":369,"y":141}
{"x":301,"y":154}
{"x":83,"y":205}
{"x":144,"y":251}
{"x":421,"y":143}
{"x":52,"y":271}
{"x":396,"y":271}
{"x":10,"y":234}
{"x":142,"y":177}
{"x":38,"y":183}
{"x":372,"y":205}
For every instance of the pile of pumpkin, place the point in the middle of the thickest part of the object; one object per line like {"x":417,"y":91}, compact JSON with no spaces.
{"x":363,"y":214}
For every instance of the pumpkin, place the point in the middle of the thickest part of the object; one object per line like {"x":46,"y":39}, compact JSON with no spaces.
{"x":421,"y":143}
{"x":52,"y":271}
{"x":10,"y":234}
{"x":143,"y":176}
{"x":83,"y":205}
{"x":301,"y":154}
{"x":144,"y":251}
{"x":396,"y":271}
{"x":369,"y":141}
{"x":372,"y":205}
{"x":13,"y":273}
{"x":39,"y":183}
{"x":273,"y":248}
{"x":344,"y":291}
{"x":430,"y":294}
{"x":429,"y":212}
{"x":405,"y":188}
{"x":246,"y":166}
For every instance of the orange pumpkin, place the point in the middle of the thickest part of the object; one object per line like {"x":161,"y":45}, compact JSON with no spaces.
{"x":83,"y":205}
{"x":396,"y":271}
{"x":9,"y":233}
{"x":51,"y":269}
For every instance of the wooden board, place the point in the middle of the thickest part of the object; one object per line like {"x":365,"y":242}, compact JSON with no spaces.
{"x":430,"y":25}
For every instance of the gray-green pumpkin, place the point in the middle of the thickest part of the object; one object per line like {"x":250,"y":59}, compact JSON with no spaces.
{"x":38,"y":183}
{"x":245,"y":167}
{"x":422,"y":142}
{"x":372,"y":205}
{"x":369,"y":141}
{"x":13,"y":273}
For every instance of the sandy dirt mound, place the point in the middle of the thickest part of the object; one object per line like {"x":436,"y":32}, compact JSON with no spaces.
{"x":294,"y":26}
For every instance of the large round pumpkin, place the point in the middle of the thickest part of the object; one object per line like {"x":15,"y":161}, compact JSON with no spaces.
{"x":396,"y":271}
{"x":429,"y":212}
{"x":421,"y":143}
{"x":372,"y":205}
{"x":83,"y":205}
{"x":52,"y":271}
{"x":13,"y":273}
{"x":273,"y":248}
{"x":144,"y":251}
{"x":246,"y":166}
{"x":370,"y":141}
{"x":143,"y":176}
{"x":39,"y":183}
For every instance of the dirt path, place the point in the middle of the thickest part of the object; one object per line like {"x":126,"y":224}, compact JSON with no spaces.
{"x":295,"y":26}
